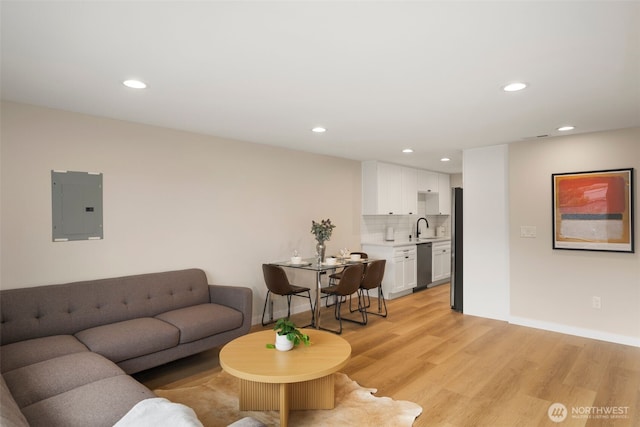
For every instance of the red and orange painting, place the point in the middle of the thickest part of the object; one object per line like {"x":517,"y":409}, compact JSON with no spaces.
{"x":593,"y":210}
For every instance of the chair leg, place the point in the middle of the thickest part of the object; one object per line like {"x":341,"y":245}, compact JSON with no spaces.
{"x":360,"y":304}
{"x":360,"y":309}
{"x":266,"y":300}
{"x":364,"y":302}
{"x":384,"y":302}
{"x":310,"y":305}
{"x":289,"y":306}
{"x":313,"y":313}
{"x":335,"y":299}
{"x":381,"y":303}
{"x":326,"y":300}
{"x":338,"y":315}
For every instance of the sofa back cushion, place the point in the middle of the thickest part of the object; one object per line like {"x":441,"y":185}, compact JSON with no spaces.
{"x":66,"y":309}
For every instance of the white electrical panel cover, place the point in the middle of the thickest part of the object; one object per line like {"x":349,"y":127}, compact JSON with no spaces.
{"x":76,"y":205}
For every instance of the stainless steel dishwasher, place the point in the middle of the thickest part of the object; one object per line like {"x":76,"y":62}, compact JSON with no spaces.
{"x":424,"y":267}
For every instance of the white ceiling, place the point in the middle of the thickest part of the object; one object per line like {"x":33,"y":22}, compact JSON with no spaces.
{"x":380,"y":76}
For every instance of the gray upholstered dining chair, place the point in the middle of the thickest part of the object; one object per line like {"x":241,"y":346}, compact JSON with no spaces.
{"x":277,"y":283}
{"x":349,"y":284}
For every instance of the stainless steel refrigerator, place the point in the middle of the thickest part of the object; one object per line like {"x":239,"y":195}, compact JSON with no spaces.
{"x":456,"y":249}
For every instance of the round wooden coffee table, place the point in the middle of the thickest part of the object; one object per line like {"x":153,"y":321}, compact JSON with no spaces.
{"x":270,"y":379}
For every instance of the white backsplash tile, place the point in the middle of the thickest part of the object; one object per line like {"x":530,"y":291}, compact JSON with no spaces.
{"x":373,"y":227}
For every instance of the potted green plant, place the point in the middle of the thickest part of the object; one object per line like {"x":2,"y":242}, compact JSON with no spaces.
{"x":288,"y":335}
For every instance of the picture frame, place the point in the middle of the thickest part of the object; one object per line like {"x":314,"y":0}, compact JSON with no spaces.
{"x":593,"y":210}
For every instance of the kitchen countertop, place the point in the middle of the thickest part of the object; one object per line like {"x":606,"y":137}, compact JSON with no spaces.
{"x":407,"y":242}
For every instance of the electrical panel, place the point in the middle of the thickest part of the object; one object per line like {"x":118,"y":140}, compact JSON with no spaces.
{"x":76,"y":205}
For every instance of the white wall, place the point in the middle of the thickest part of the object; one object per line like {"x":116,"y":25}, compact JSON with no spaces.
{"x":485,"y":224}
{"x":553,"y":289}
{"x":525,"y":281}
{"x":176,"y":200}
{"x":171,"y":200}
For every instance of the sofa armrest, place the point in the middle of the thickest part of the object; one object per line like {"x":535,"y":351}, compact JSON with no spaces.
{"x":10,"y":415}
{"x":238,"y":297}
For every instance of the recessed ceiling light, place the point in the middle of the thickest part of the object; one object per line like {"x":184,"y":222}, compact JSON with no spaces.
{"x":566,"y":128}
{"x":445,"y":159}
{"x":318,"y":129}
{"x":514,"y":87}
{"x":134,"y":84}
{"x":407,"y":150}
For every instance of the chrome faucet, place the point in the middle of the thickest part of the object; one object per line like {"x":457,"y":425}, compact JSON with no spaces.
{"x":418,"y":226}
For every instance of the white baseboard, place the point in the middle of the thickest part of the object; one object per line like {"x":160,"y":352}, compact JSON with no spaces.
{"x":571,"y":330}
{"x":391,"y":296}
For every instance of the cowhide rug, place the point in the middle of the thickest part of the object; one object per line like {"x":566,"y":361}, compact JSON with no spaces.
{"x":215,"y":401}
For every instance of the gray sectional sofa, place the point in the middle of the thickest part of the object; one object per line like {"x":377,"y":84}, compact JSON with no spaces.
{"x":66,"y":350}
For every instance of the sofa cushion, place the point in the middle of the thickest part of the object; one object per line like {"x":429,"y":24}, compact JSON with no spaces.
{"x":39,"y":381}
{"x":23,"y":353}
{"x":201,"y":321}
{"x":10,"y":415}
{"x":97,"y":404}
{"x":131,"y":338}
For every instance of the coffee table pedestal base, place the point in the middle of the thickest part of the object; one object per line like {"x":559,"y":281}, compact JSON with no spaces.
{"x":313,"y":394}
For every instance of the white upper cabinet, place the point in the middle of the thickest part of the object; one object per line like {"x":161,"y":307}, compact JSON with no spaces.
{"x":439,"y":203}
{"x":444,"y":194}
{"x":409,"y":191}
{"x":389,"y":184}
{"x":427,"y":181}
{"x":389,"y":189}
{"x":381,"y":189}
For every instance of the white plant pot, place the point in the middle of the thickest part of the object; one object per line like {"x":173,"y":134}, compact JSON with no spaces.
{"x":283,"y":343}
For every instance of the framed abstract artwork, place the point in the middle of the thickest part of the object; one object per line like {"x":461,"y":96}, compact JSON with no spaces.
{"x":593,"y":210}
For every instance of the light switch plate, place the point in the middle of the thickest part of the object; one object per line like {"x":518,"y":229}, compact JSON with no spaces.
{"x":528,"y":231}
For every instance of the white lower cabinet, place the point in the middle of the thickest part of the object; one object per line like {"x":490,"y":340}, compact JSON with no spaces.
{"x":400,"y":271}
{"x":441,"y":261}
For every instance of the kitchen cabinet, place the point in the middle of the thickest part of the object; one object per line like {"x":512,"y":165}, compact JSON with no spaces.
{"x":440,"y":203}
{"x":441,"y":261}
{"x":444,"y":194}
{"x":400,"y":270}
{"x":388,"y":189}
{"x":381,"y":183}
{"x":404,"y":265}
{"x":427,"y":181}
{"x":409,"y":191}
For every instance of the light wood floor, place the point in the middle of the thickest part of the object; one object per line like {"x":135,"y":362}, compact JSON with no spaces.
{"x":469,"y":371}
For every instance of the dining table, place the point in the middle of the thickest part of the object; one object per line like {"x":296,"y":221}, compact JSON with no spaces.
{"x":320,"y":268}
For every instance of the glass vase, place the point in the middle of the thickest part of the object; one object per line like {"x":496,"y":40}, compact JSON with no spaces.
{"x":320,"y":249}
